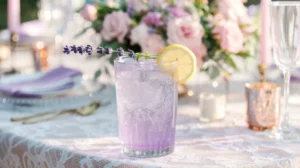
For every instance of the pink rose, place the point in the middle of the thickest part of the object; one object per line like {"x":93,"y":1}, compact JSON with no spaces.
{"x":153,"y":44}
{"x":139,"y":33}
{"x":232,"y":9}
{"x":248,"y":27}
{"x":89,"y":12}
{"x":230,"y":36}
{"x":188,"y":32}
{"x":153,"y":19}
{"x":116,"y":25}
{"x":217,"y":18}
{"x":177,"y":12}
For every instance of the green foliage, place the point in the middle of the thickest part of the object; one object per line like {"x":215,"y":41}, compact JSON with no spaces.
{"x":229,"y":61}
{"x":143,"y":55}
{"x":243,"y":54}
{"x":82,"y":32}
{"x":103,"y":10}
{"x":213,"y":71}
{"x":97,"y":74}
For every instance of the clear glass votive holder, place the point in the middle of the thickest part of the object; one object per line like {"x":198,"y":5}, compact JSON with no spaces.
{"x":212,"y":107}
{"x":263,"y":105}
{"x":213,"y":100}
{"x":147,"y":106}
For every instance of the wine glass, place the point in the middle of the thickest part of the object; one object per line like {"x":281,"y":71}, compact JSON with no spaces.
{"x":285,"y":33}
{"x":57,"y":14}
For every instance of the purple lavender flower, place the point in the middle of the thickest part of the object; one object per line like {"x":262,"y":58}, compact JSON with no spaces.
{"x":80,"y":50}
{"x":130,"y":11}
{"x":66,"y":50}
{"x":108,"y":50}
{"x":131,"y":53}
{"x":153,"y":19}
{"x":151,"y":30}
{"x":74,"y":49}
{"x":177,"y":12}
{"x":120,"y":51}
{"x":100,"y":50}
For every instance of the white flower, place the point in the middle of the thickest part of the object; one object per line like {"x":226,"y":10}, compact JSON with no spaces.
{"x":137,"y":5}
{"x":139,"y":33}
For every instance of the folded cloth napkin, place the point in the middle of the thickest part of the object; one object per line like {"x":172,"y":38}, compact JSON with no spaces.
{"x":295,"y":76}
{"x":58,"y":79}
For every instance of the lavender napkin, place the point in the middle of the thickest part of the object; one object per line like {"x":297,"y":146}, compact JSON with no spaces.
{"x":295,"y":76}
{"x":55,"y":80}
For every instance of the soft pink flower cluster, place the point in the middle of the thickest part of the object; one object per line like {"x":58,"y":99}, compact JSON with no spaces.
{"x":181,"y":30}
{"x":116,"y":26}
{"x":188,"y":32}
{"x":160,"y":23}
{"x":150,"y":42}
{"x":89,"y":12}
{"x":230,"y":36}
{"x":232,"y":25}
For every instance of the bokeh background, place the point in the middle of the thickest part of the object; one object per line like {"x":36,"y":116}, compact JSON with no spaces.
{"x":29,"y":10}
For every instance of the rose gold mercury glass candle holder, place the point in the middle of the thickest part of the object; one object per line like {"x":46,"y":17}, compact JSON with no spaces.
{"x":263,"y":105}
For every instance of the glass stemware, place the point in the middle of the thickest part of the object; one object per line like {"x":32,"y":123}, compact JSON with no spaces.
{"x":285,"y":30}
{"x":57,"y":14}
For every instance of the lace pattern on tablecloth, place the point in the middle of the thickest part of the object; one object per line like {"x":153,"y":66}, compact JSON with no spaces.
{"x":92,"y":142}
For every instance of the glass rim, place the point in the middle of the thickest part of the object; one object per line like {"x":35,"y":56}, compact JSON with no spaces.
{"x":285,"y":3}
{"x":262,"y":86}
{"x":152,"y":62}
{"x":135,"y":62}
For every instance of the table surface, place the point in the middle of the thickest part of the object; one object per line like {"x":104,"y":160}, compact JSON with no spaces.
{"x":92,"y":141}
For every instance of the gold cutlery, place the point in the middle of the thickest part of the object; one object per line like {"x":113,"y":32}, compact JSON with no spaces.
{"x":36,"y":118}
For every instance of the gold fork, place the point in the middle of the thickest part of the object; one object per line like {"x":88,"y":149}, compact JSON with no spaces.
{"x":36,"y":118}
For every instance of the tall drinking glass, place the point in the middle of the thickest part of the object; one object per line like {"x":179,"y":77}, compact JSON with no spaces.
{"x":146,"y":105}
{"x":286,"y":51}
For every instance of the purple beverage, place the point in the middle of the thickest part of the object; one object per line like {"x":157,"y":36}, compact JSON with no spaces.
{"x":146,"y":104}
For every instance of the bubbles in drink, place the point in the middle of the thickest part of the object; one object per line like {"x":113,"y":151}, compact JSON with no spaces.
{"x":146,"y":102}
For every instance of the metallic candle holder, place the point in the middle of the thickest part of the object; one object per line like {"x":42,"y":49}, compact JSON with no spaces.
{"x":263,"y":105}
{"x":40,"y":56}
{"x":262,"y":68}
{"x":13,"y":41}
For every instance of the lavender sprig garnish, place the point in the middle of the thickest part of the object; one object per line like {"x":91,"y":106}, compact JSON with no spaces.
{"x":108,"y":50}
{"x":100,"y":50}
{"x":131,"y":53}
{"x":120,"y":52}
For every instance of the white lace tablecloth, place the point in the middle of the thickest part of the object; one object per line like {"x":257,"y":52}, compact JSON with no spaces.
{"x":92,"y":142}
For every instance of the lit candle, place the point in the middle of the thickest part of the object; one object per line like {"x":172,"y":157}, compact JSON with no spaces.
{"x":4,"y":52}
{"x":40,"y":56}
{"x":212,"y":106}
{"x":13,"y":20}
{"x":264,"y":51}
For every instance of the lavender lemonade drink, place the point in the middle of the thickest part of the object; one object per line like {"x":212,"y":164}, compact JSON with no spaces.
{"x":146,"y":105}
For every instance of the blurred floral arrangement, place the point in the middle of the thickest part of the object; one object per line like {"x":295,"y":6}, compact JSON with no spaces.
{"x":218,"y":32}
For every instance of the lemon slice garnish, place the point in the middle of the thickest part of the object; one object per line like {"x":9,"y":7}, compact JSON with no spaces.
{"x":178,"y":61}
